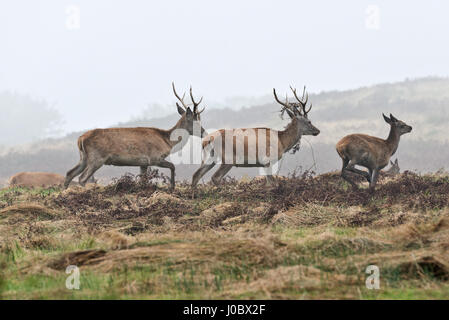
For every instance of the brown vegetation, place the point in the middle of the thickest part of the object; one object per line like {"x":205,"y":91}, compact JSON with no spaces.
{"x":307,"y":237}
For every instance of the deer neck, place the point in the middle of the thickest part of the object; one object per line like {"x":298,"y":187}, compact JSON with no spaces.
{"x":176,"y":140}
{"x":290,"y":136}
{"x":393,"y":140}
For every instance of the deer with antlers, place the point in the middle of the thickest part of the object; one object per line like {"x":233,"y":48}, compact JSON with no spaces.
{"x":259,"y":147}
{"x":141,"y":147}
{"x":370,"y":152}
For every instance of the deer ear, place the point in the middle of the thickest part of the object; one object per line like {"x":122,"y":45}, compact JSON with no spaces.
{"x":180,"y":109}
{"x":391,"y":162}
{"x":393,"y":118}
{"x":396,"y":161}
{"x":387,"y":120}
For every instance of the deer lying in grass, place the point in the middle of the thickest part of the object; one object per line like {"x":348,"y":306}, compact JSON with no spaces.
{"x":140,"y":147}
{"x":258,"y":146}
{"x":370,"y":152}
{"x":39,"y":179}
{"x":394,"y":169}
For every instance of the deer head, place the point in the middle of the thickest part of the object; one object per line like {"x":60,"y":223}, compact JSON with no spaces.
{"x":394,"y":169}
{"x":298,"y":112}
{"x":399,"y":126}
{"x":189,"y":117}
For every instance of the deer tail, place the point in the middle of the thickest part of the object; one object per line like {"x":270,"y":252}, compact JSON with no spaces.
{"x":83,"y":152}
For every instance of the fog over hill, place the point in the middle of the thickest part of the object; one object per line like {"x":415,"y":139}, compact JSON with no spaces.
{"x":422,"y":103}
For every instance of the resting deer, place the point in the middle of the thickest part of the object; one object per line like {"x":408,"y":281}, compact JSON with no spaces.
{"x":257,"y":144}
{"x":39,"y":179}
{"x":394,"y":169}
{"x":140,"y":147}
{"x":370,"y":152}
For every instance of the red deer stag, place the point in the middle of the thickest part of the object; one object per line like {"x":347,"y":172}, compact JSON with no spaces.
{"x":255,"y":147}
{"x":141,"y":147}
{"x":370,"y":152}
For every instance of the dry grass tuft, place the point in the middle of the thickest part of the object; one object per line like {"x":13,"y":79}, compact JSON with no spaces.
{"x":442,"y":225}
{"x":115,"y":240}
{"x":215,"y":215}
{"x":274,"y":282}
{"x":77,"y":258}
{"x":34,"y":210}
{"x":309,"y":214}
{"x":42,"y":242}
{"x":434,"y":266}
{"x":260,"y":251}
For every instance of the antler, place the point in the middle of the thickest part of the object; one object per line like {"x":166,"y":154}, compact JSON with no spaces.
{"x":294,"y":106}
{"x":195,"y":104}
{"x":301,"y":101}
{"x":279,"y":101}
{"x":179,"y":98}
{"x":286,"y":105}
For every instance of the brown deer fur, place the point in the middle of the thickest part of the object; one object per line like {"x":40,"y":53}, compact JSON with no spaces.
{"x":394,"y":169}
{"x":370,"y":152}
{"x":286,"y":139}
{"x":140,"y":147}
{"x":38,"y":179}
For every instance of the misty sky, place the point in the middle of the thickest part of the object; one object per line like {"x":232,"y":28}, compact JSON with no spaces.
{"x":125,"y":54}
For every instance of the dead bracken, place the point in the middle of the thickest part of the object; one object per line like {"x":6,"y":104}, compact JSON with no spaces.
{"x":307,"y":236}
{"x":146,"y":200}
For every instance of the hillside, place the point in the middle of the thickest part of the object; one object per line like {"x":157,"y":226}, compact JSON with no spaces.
{"x":305,"y":238}
{"x":422,"y":103}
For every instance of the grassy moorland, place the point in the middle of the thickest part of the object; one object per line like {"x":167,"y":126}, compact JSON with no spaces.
{"x":308,"y":237}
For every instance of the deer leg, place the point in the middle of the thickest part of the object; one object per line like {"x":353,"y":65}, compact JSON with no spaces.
{"x":201,"y":172}
{"x":89,"y":171}
{"x":72,"y":173}
{"x":370,"y":172}
{"x":373,"y":182}
{"x":270,"y":180}
{"x":92,"y":179}
{"x":345,"y":176}
{"x":143,"y":170}
{"x":220,"y":173}
{"x":171,"y":166}
{"x":351,"y":168}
